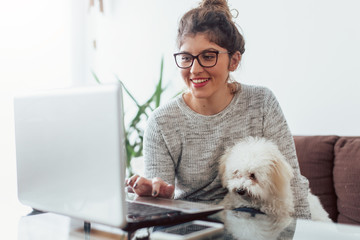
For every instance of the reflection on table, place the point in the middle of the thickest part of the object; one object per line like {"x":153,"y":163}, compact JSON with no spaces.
{"x":250,"y":225}
{"x":238,"y":225}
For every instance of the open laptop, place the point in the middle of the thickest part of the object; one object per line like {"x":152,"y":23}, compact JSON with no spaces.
{"x":70,"y":153}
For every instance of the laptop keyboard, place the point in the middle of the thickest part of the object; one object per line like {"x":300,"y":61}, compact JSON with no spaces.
{"x":141,"y":212}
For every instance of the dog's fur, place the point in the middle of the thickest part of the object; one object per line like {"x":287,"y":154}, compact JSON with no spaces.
{"x":257,"y":175}
{"x":259,"y":227}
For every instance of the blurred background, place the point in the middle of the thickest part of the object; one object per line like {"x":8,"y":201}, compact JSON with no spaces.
{"x":307,"y":52}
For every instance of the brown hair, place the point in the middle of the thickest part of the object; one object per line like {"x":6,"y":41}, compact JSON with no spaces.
{"x":213,"y":18}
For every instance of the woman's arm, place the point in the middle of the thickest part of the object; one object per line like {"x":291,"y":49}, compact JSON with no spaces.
{"x":157,"y":157}
{"x":159,"y":176}
{"x":276,"y":128}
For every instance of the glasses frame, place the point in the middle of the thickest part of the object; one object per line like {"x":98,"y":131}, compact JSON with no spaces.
{"x":197,"y":58}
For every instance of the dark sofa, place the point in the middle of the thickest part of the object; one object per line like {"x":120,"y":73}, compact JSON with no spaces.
{"x":332,"y":165}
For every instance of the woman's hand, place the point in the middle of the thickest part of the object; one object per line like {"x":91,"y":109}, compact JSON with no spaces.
{"x":155,"y":187}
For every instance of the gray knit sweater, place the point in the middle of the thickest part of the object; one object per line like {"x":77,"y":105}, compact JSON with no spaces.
{"x":183,"y":147}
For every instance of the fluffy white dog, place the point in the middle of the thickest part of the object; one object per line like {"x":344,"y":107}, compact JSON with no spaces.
{"x":257,"y":175}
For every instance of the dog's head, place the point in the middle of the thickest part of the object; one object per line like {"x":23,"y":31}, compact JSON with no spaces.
{"x":255,"y":169}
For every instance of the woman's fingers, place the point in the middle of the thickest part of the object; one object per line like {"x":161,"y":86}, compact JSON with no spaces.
{"x":156,"y":185}
{"x":129,"y":189}
{"x":131,"y":181}
{"x":162,"y":189}
{"x":145,"y":187}
{"x":142,"y":186}
{"x":139,"y":185}
{"x":169,"y":191}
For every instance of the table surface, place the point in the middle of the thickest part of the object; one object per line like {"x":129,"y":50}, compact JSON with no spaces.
{"x":238,"y":225}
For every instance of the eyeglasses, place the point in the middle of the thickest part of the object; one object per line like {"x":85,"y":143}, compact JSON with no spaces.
{"x":206,"y":59}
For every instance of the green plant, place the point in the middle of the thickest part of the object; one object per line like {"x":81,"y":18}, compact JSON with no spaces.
{"x":134,"y":132}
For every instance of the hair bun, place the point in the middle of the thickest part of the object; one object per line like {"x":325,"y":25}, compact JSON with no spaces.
{"x":217,"y":5}
{"x":213,"y":18}
{"x":210,"y":3}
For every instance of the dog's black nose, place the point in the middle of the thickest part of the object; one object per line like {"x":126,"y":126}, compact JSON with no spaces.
{"x":241,"y":191}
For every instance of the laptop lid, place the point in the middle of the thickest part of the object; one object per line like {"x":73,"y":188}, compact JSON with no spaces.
{"x":70,"y":153}
{"x":69,"y":146}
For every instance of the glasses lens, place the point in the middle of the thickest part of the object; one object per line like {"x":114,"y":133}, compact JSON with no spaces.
{"x":205,"y":59}
{"x":184,"y":60}
{"x":208,"y":59}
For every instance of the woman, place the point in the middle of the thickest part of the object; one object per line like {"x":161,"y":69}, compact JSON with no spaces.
{"x":186,"y":137}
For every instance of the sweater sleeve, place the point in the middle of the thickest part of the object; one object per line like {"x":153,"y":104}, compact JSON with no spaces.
{"x":276,"y":129}
{"x":158,"y":160}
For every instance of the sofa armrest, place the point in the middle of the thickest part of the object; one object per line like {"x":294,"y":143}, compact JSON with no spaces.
{"x":347,"y":179}
{"x":316,"y":159}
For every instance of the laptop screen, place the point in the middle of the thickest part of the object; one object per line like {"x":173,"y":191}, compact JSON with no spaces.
{"x":70,"y":152}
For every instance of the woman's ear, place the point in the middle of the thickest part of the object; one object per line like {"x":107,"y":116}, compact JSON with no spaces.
{"x":234,"y":61}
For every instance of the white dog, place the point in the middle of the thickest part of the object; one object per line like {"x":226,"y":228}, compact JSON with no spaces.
{"x":257,"y":175}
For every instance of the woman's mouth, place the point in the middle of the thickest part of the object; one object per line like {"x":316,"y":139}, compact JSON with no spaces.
{"x":199,"y":82}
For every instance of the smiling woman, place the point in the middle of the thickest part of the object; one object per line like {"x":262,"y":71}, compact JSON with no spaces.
{"x":209,"y":88}
{"x":186,"y":137}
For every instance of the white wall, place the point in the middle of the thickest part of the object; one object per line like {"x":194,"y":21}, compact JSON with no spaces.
{"x":306,"y":51}
{"x":34,"y":54}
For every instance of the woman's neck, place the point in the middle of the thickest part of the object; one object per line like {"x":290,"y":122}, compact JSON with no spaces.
{"x":209,"y":106}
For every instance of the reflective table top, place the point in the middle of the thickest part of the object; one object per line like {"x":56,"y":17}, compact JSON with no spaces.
{"x":238,"y":225}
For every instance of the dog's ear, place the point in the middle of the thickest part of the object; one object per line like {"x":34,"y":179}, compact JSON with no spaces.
{"x":282,"y":173}
{"x":222,"y":167}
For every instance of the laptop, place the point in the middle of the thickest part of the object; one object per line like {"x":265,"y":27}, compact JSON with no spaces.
{"x":71,"y":158}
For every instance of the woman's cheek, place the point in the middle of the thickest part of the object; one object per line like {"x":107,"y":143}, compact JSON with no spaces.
{"x":185,"y":77}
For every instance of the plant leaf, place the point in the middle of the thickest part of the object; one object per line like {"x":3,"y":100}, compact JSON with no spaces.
{"x":159,"y":89}
{"x":96,"y":77}
{"x":134,"y":133}
{"x":127,"y":91}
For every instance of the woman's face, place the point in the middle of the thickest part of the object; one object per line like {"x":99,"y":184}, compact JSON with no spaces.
{"x":206,"y":82}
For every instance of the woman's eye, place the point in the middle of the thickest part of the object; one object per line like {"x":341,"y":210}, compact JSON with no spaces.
{"x":208,"y":56}
{"x":186,"y":58}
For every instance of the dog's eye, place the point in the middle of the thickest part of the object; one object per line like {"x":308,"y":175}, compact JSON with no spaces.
{"x":252,"y":176}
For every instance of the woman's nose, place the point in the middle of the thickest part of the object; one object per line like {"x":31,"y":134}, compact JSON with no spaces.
{"x":196,"y":67}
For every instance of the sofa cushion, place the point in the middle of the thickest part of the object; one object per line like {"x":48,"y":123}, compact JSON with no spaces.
{"x":347,"y":179}
{"x":316,"y":160}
